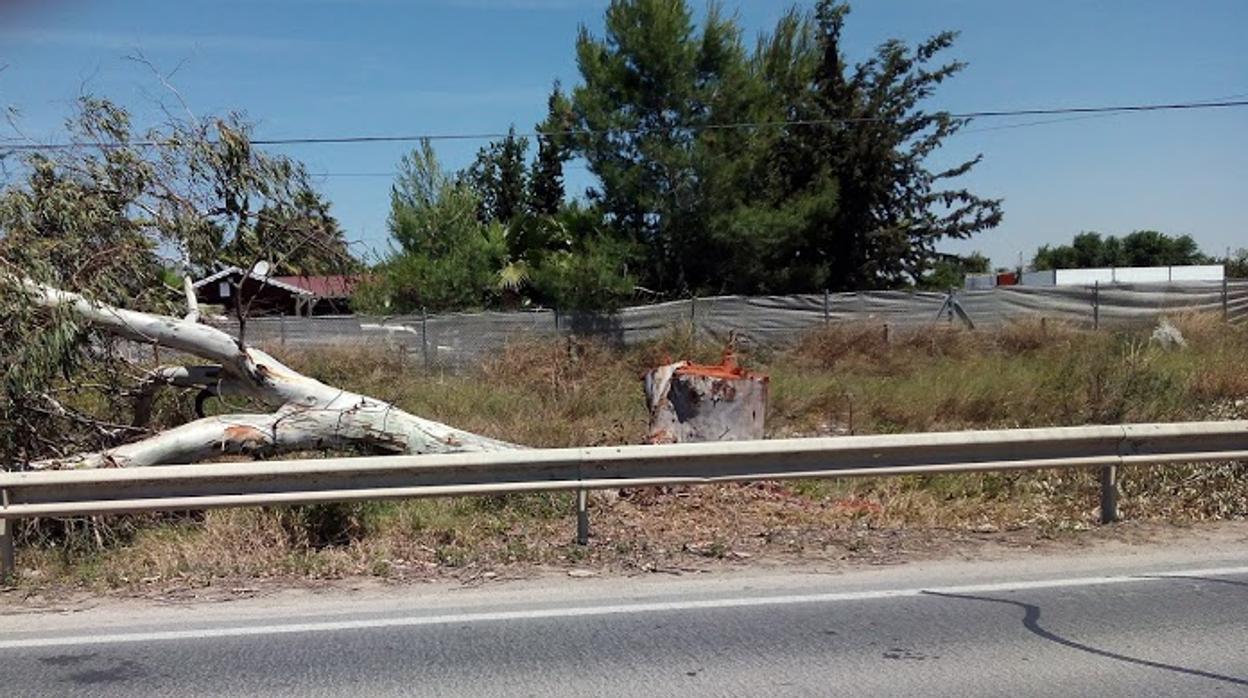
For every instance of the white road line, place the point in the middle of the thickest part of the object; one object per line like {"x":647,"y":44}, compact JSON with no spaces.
{"x":616,"y":609}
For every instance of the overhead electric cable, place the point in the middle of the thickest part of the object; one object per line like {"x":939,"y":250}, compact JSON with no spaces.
{"x":986,"y":114}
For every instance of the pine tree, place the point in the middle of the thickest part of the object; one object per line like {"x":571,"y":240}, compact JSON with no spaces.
{"x":652,"y":84}
{"x":891,"y":209}
{"x":499,"y":178}
{"x":554,"y":142}
{"x":827,"y":187}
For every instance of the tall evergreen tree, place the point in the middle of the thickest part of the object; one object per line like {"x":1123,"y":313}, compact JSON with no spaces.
{"x":652,"y":85}
{"x":774,"y":217}
{"x":447,"y":258}
{"x":499,"y":178}
{"x":554,"y":144}
{"x":875,"y":137}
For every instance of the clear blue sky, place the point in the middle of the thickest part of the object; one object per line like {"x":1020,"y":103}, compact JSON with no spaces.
{"x":333,"y":67}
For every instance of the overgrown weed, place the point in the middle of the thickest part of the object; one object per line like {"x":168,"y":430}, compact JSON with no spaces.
{"x":837,"y":380}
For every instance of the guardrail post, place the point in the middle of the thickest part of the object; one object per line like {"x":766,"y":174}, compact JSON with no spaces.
{"x":8,"y":566}
{"x":1096,"y":304}
{"x":8,"y":557}
{"x":827,"y":314}
{"x":1226,"y":306}
{"x":424,"y":337}
{"x":1109,"y":494}
{"x":582,"y":517}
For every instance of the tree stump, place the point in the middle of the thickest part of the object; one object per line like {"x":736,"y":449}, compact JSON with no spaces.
{"x":690,"y":402}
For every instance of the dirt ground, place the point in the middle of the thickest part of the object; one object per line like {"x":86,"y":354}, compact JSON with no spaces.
{"x":791,"y":548}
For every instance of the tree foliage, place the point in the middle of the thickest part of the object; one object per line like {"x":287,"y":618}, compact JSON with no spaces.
{"x":499,"y":178}
{"x":447,"y":257}
{"x":498,"y":233}
{"x":651,"y":87}
{"x":830,"y":189}
{"x":950,"y":271}
{"x":322,"y":246}
{"x":103,"y":217}
{"x":589,"y":269}
{"x":774,"y":168}
{"x":554,"y":148}
{"x":1142,"y":248}
{"x":1237,"y":264}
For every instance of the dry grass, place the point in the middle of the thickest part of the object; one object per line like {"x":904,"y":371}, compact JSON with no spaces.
{"x":839,"y":380}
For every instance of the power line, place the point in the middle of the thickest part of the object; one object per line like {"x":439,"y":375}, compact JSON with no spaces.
{"x":1130,"y":108}
{"x":354,"y":174}
{"x":395,"y":173}
{"x":1082,"y":117}
{"x":986,"y":114}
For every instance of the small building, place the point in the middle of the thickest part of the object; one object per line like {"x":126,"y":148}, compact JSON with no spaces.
{"x":276,"y":295}
{"x":979,"y":282}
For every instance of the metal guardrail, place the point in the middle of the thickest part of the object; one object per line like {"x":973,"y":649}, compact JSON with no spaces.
{"x":178,"y":487}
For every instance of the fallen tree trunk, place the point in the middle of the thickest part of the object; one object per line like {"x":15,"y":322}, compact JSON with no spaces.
{"x":308,"y":413}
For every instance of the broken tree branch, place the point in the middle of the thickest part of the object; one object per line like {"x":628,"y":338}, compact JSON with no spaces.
{"x":192,"y":302}
{"x":309,"y":414}
{"x":210,"y":380}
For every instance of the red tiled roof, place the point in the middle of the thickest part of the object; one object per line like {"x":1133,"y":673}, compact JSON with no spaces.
{"x":336,"y":286}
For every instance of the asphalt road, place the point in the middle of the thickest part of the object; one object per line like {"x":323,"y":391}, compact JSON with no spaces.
{"x":1157,"y":624}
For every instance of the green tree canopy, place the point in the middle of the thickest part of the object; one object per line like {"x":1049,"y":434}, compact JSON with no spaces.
{"x":307,"y":218}
{"x":651,"y":87}
{"x":828,"y":187}
{"x":554,"y":145}
{"x":447,"y":257}
{"x":455,"y":252}
{"x":773,"y":168}
{"x":950,"y":271}
{"x":498,"y":177}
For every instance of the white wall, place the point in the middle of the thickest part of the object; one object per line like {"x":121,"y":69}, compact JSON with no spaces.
{"x":1084,"y":277}
{"x":1039,"y":278}
{"x":1125,"y":275}
{"x":1198,"y":272}
{"x":980,"y":281}
{"x":1141,"y":275}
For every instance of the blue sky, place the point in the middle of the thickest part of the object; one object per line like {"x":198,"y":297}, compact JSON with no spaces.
{"x":333,"y":67}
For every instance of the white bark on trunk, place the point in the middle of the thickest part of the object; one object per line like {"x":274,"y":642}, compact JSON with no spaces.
{"x":192,"y":301}
{"x":309,"y":414}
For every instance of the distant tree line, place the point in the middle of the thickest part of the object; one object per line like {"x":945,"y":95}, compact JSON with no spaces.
{"x":721,"y":167}
{"x":1142,"y":248}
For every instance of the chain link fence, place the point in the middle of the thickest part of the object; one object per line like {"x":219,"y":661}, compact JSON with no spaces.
{"x":453,"y":340}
